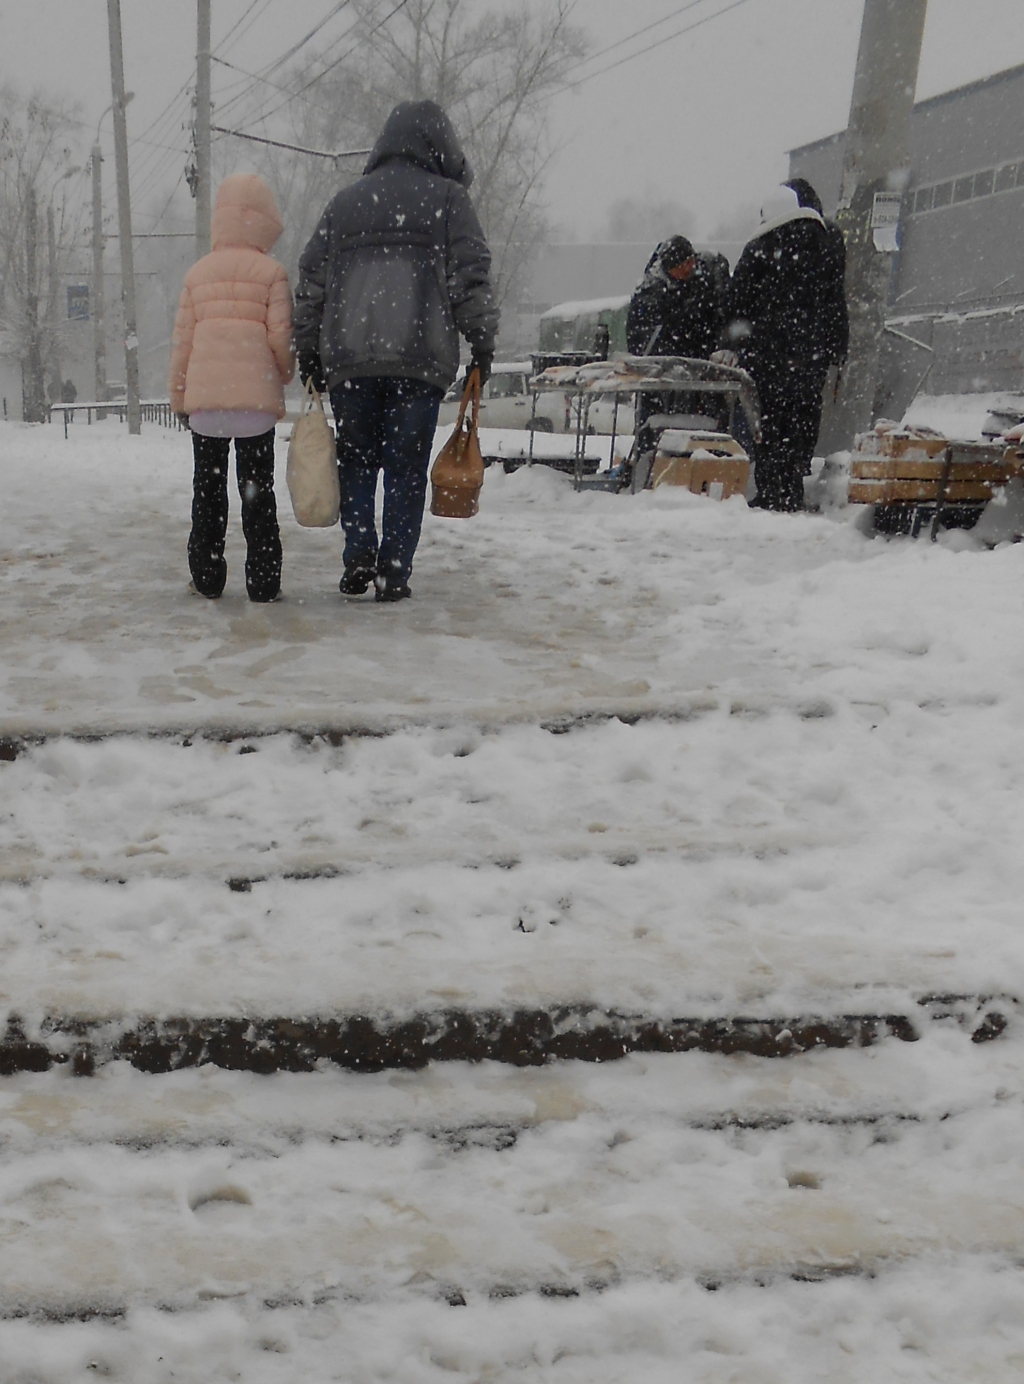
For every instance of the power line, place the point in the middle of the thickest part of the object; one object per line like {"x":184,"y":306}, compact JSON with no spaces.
{"x":241,"y":21}
{"x":686,"y":29}
{"x":238,"y":23}
{"x":344,"y":58}
{"x":312,"y":34}
{"x":263,"y":74}
{"x":619,"y":43}
{"x":170,"y":199}
{"x":286,"y":91}
{"x":298,"y":148}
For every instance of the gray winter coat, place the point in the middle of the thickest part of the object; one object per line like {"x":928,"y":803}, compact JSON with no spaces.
{"x":398,"y":265}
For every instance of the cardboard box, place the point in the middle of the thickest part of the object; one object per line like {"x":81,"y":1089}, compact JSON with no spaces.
{"x":705,"y":463}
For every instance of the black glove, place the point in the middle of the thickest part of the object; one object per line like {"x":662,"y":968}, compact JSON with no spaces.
{"x":481,"y":360}
{"x":312,"y":371}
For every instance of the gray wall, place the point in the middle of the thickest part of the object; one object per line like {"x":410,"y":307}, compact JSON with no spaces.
{"x":963,"y":259}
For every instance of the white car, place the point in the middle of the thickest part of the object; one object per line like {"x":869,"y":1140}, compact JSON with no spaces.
{"x":505,"y":402}
{"x":604,"y":415}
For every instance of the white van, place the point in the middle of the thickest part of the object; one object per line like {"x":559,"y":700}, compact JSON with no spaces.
{"x":505,"y":401}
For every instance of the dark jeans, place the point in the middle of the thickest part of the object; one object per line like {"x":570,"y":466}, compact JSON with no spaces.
{"x":254,"y":465}
{"x":790,"y":393}
{"x":384,"y":423}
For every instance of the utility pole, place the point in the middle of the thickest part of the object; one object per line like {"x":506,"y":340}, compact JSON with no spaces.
{"x":53,"y":343}
{"x":124,"y":216}
{"x":35,"y":386}
{"x":202,"y":128}
{"x":99,"y":308}
{"x":875,"y":172}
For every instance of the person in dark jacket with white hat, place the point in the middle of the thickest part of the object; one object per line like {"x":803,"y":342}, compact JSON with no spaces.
{"x":397,"y":268}
{"x":786,"y":324}
{"x":836,"y":323}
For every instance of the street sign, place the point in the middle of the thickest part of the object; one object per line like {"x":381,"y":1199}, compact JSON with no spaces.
{"x":885,"y":220}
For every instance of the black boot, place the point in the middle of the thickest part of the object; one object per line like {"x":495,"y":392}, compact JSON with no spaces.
{"x":390,"y":587}
{"x":359,"y":573}
{"x":389,"y":582}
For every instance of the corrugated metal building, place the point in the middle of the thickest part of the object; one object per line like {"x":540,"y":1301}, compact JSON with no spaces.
{"x":958,"y":280}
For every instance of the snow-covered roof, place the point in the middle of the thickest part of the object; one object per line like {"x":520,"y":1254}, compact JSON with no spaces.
{"x":587,"y":305}
{"x":505,"y":367}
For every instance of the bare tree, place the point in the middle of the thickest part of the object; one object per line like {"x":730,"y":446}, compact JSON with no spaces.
{"x":647,"y":220}
{"x":737,"y":225}
{"x":493,"y":72}
{"x":36,"y":235}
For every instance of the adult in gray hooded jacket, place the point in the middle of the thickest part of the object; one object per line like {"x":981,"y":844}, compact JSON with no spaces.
{"x":396,"y":269}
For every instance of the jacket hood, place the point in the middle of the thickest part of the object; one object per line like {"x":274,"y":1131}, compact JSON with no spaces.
{"x":421,"y":132}
{"x":668,"y":255}
{"x":246,"y":214}
{"x":783,"y":206}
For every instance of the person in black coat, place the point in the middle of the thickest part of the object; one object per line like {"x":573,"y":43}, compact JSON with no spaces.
{"x":677,"y":307}
{"x":786,"y":322}
{"x":677,"y":310}
{"x":396,"y":270}
{"x":835,"y":312}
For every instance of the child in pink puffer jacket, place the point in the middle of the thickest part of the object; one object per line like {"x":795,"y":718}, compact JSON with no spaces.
{"x":231,"y":358}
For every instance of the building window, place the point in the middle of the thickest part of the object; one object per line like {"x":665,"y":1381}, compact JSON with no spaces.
{"x":962,"y":189}
{"x":965,"y":189}
{"x":1006,"y":177}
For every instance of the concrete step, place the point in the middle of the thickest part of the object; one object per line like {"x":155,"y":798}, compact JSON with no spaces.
{"x":526,"y":1038}
{"x":486,"y":1181}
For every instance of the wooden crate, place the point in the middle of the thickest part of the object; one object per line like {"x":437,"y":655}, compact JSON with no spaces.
{"x":896,"y":444}
{"x":700,"y":475}
{"x":901,"y":475}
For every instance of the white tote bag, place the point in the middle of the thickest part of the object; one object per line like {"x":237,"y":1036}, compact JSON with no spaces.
{"x":312,"y":473}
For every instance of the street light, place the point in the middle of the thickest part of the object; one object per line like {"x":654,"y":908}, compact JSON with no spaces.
{"x":129,"y":96}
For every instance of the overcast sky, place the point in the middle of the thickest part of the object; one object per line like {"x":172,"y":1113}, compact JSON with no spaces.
{"x":704,"y":118}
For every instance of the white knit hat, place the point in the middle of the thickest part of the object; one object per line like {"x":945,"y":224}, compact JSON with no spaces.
{"x":783,"y":205}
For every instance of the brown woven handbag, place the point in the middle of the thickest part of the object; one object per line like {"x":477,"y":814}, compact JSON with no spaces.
{"x":458,"y":472}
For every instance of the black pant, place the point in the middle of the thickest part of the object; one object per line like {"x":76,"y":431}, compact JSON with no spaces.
{"x":384,"y":423}
{"x":790,"y":394}
{"x":254,"y":465}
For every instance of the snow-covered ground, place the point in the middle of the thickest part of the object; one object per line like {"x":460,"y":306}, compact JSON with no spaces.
{"x":812,"y":807}
{"x":961,"y":416}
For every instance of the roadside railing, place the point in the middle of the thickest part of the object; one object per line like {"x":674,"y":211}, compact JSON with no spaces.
{"x":152,"y":410}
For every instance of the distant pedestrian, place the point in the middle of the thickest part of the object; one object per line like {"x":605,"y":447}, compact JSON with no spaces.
{"x":396,"y":269}
{"x":231,"y":358}
{"x":676,"y":310}
{"x":68,"y":395}
{"x":785,"y":321}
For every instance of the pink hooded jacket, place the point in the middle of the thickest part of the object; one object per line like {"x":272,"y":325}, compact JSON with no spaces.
{"x":232,"y":345}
